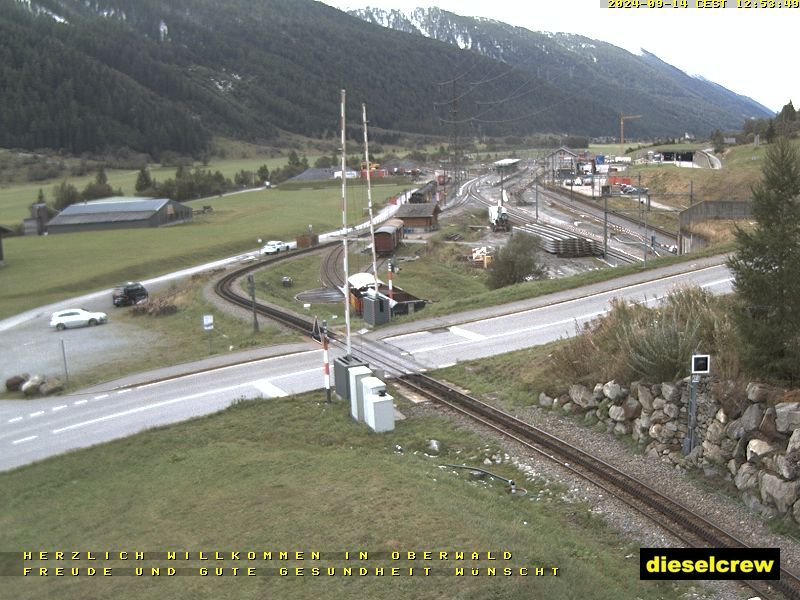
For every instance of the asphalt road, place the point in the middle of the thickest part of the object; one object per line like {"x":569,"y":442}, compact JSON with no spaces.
{"x":31,"y":430}
{"x":35,"y":429}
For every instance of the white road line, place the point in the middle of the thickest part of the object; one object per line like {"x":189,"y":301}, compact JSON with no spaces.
{"x":27,"y":439}
{"x":237,"y":366}
{"x":37,"y":413}
{"x":152,"y":406}
{"x":57,"y":408}
{"x":100,"y":397}
{"x":125,"y":391}
{"x":470,"y":335}
{"x":269,"y":390}
{"x":79,"y":402}
{"x":15,"y":419}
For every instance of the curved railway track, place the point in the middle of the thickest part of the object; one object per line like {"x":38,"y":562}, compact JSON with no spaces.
{"x":686,"y":525}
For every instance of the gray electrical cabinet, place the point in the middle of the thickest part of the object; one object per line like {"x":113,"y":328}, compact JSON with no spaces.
{"x":341,"y":378}
{"x":375,"y":310}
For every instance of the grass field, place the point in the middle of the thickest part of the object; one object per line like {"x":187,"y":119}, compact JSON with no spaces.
{"x":44,"y":269}
{"x":295,"y":474}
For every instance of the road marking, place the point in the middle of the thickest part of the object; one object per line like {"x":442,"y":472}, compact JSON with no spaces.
{"x":151,"y":406}
{"x":100,"y":397}
{"x":15,"y":419}
{"x":37,"y":413}
{"x":27,"y":439}
{"x":125,"y":391}
{"x":269,"y":390}
{"x":79,"y":402}
{"x":465,"y":333}
{"x":56,"y":408}
{"x":293,"y":356}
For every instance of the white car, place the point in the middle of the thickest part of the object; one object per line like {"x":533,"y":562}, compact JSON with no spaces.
{"x":275,"y":246}
{"x":76,"y":317}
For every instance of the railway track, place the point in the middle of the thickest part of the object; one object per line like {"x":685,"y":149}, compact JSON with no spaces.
{"x":685,"y":524}
{"x":555,"y":237}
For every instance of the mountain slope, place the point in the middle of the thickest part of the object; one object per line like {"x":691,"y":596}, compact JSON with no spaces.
{"x":84,"y":75}
{"x":669,"y":100}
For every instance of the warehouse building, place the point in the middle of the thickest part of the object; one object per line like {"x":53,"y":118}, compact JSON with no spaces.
{"x":119,"y":213}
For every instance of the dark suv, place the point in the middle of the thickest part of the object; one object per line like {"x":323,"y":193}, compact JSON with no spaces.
{"x":130,"y":293}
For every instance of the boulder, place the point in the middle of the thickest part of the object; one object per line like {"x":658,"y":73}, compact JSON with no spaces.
{"x":670,"y":392}
{"x":751,"y":418}
{"x":632,"y":409}
{"x":616,"y":413}
{"x":659,"y":417}
{"x":787,"y":416}
{"x":656,"y":431}
{"x":581,"y":396}
{"x":658,"y":403}
{"x":721,"y":416}
{"x":644,"y":396}
{"x":735,"y":429}
{"x":622,"y":428}
{"x":758,"y":392}
{"x":31,"y":387}
{"x":598,"y":392}
{"x":545,"y":401}
{"x":612,"y":390}
{"x":781,"y":494}
{"x":51,"y":386}
{"x":758,"y":449}
{"x":769,"y":425}
{"x":671,"y":410}
{"x":14,"y":384}
{"x":715,"y":432}
{"x":569,"y":408}
{"x":655,"y":390}
{"x":794,"y":442}
{"x":733,"y":467}
{"x":787,"y":465}
{"x":713,"y":453}
{"x":746,"y":477}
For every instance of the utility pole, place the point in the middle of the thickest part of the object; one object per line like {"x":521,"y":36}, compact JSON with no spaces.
{"x":251,"y":287}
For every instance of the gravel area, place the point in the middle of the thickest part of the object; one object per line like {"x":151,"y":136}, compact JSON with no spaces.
{"x":726,"y":512}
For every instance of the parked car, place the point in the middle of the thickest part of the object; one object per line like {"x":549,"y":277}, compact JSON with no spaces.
{"x":76,"y":317}
{"x":129,"y":293}
{"x":275,"y":246}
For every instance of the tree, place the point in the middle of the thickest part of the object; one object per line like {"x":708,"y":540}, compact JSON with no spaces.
{"x":263,"y":173}
{"x":40,"y":197}
{"x":517,"y":262}
{"x":65,"y":194}
{"x":766,"y":269}
{"x":143,"y":180}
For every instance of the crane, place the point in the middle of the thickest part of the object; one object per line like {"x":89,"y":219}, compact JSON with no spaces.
{"x":622,"y":130}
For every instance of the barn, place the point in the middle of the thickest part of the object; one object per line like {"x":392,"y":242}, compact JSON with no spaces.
{"x":119,"y":213}
{"x":388,"y":236}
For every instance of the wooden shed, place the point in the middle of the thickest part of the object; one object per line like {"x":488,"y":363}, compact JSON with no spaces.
{"x":419,"y":217}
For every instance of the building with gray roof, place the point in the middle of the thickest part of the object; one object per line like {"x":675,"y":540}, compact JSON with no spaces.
{"x":119,"y":213}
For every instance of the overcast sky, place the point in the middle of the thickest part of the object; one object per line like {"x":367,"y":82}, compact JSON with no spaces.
{"x":753,"y":52}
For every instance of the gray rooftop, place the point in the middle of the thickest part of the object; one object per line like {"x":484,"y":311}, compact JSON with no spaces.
{"x":117,"y":204}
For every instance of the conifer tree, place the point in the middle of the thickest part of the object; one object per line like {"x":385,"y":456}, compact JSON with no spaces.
{"x":766,"y":269}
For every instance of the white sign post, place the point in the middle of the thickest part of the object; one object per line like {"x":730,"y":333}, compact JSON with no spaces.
{"x":208,"y":325}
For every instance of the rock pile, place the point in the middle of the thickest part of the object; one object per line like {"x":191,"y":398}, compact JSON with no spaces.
{"x":34,"y":385}
{"x":754,"y":443}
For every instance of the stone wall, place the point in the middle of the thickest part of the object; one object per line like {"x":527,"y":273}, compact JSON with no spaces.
{"x":753,"y":441}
